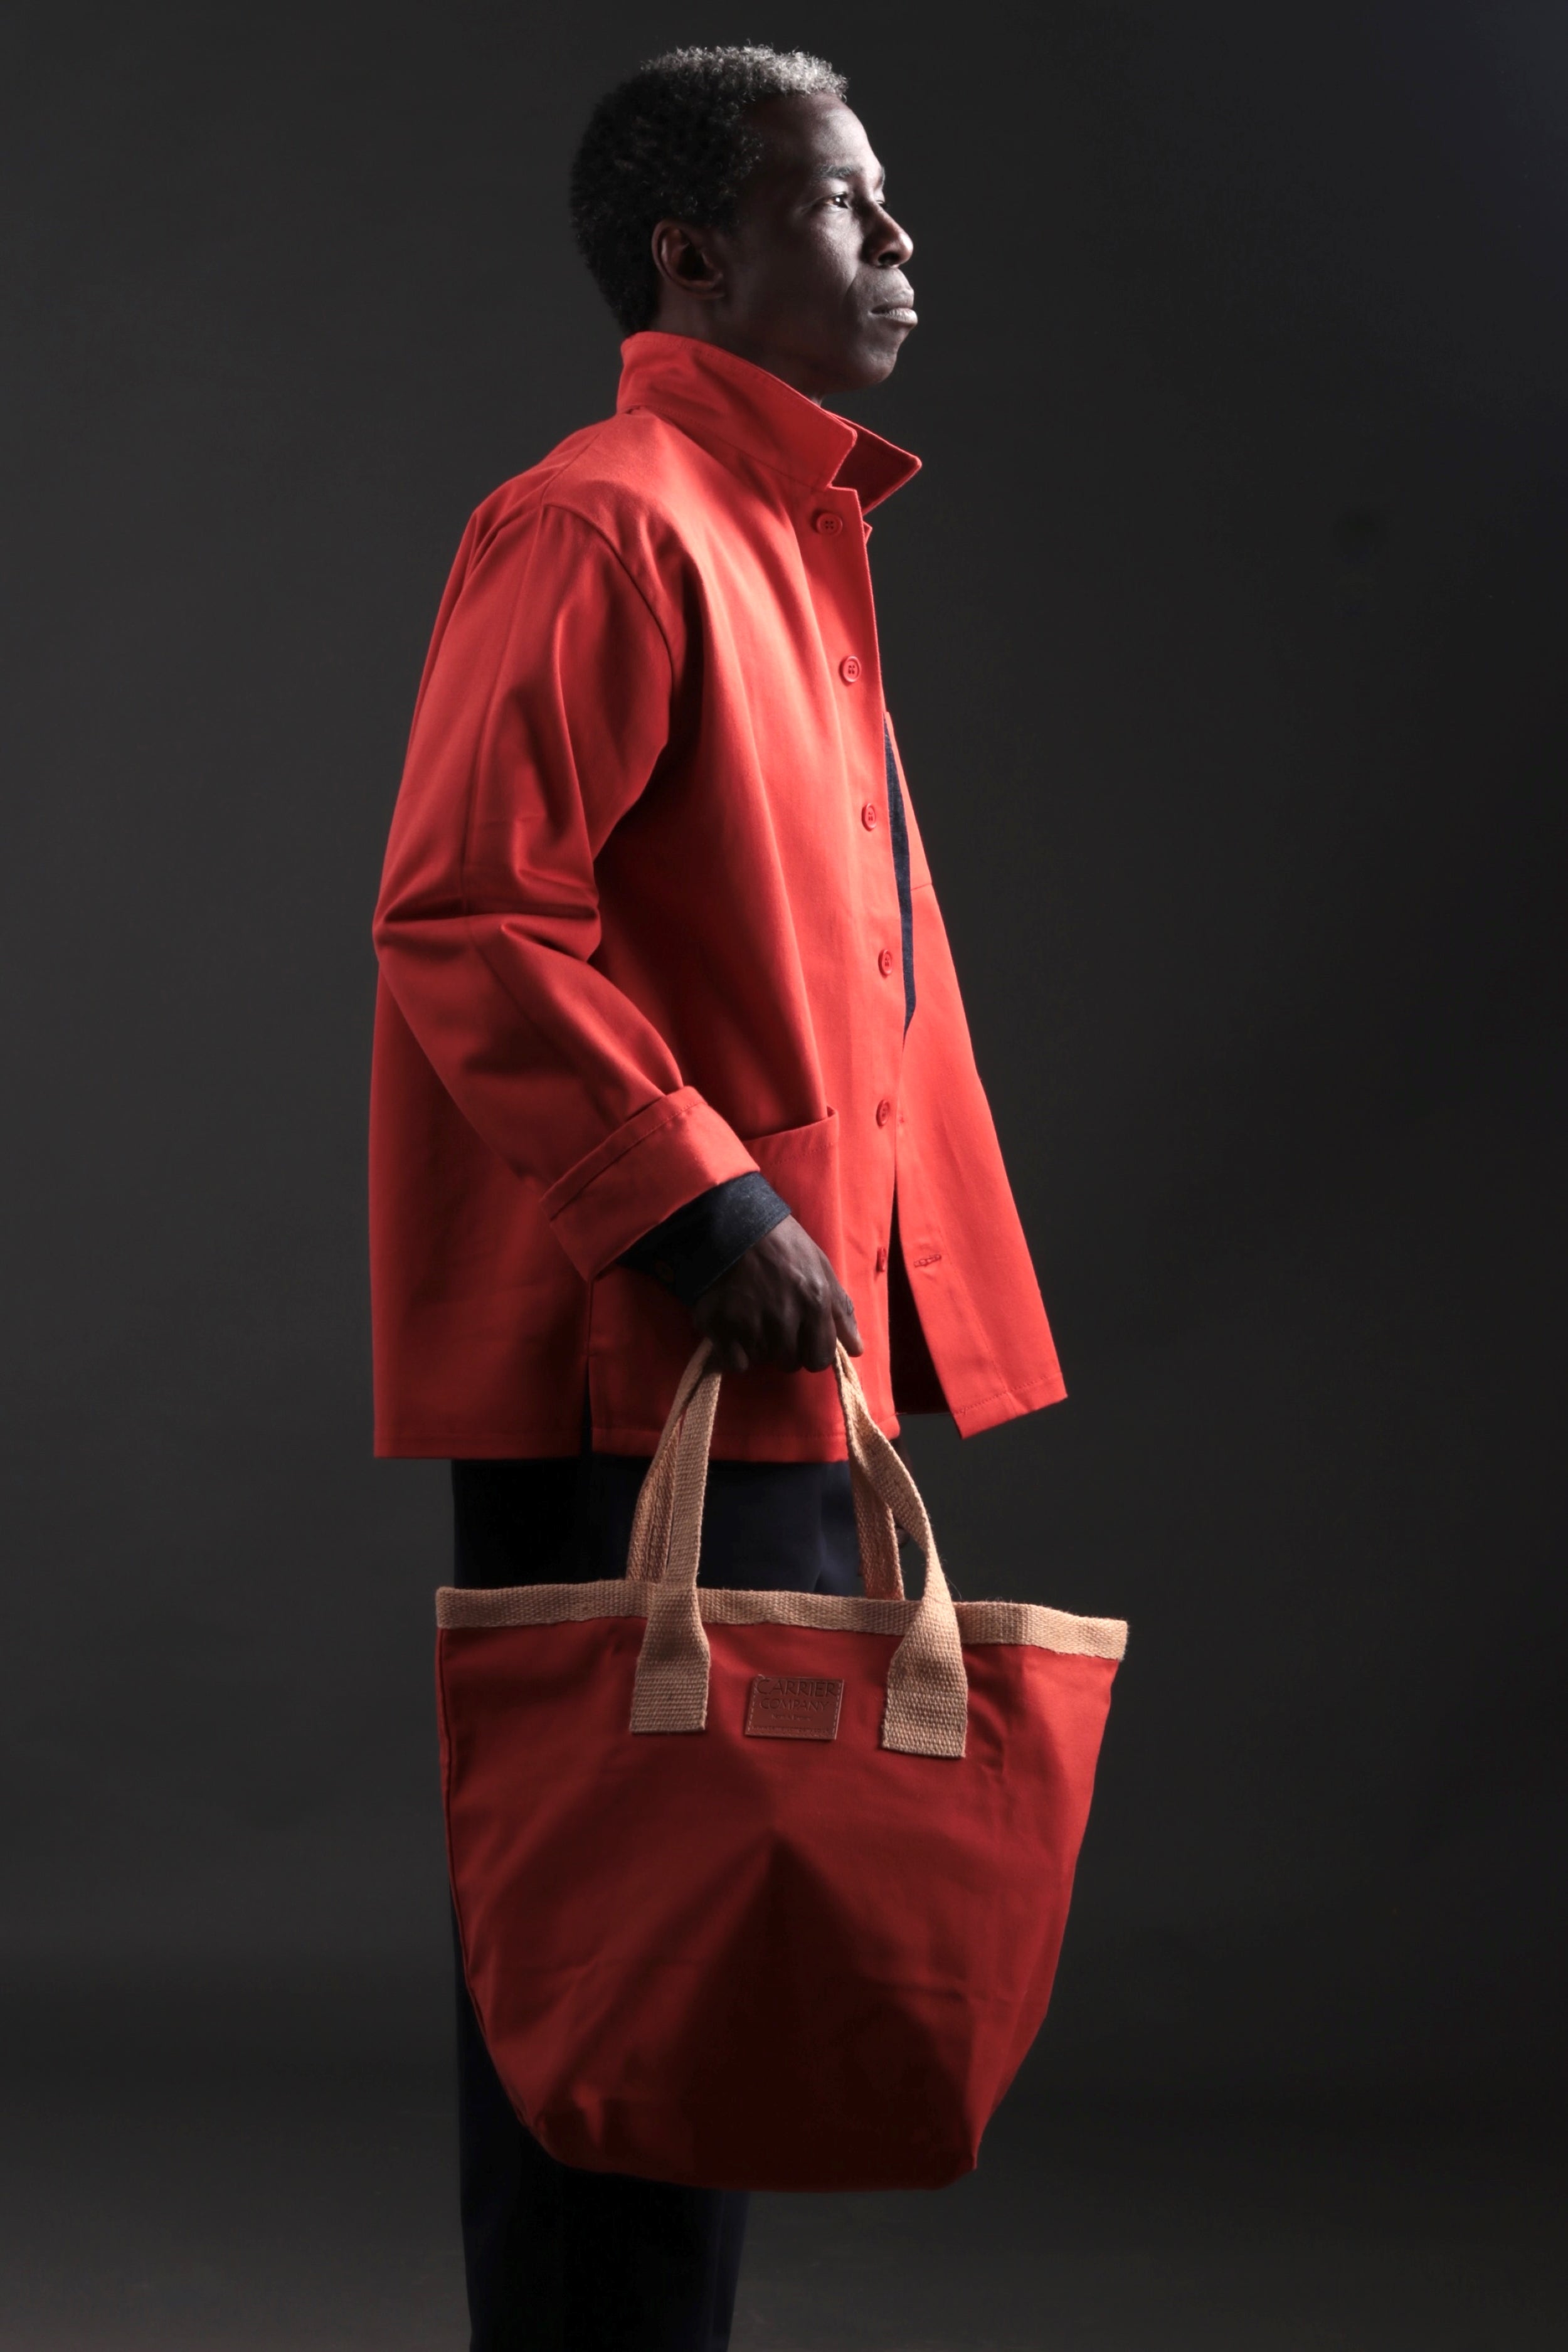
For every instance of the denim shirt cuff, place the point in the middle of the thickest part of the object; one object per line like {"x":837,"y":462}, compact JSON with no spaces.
{"x":690,"y":1250}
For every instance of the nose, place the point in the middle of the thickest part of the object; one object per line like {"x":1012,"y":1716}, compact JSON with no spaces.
{"x":891,"y":245}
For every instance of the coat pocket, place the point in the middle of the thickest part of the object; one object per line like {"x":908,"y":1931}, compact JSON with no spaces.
{"x":801,"y":1163}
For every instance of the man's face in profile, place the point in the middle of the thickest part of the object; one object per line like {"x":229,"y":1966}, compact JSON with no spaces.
{"x":813,"y":282}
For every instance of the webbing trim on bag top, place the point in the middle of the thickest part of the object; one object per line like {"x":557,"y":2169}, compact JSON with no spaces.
{"x":1023,"y":1624}
{"x":927,"y":1704}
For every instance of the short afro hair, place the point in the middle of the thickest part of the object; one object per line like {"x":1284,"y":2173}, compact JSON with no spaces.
{"x":672,"y":142}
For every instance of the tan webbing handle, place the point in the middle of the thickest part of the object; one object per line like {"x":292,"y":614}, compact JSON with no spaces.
{"x":927,"y":1707}
{"x":649,"y":1546}
{"x":881,"y":1576}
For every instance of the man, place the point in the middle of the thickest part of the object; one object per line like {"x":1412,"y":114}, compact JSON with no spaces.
{"x":668,"y":1040}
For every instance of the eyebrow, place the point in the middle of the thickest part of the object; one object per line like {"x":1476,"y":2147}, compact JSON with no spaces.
{"x":848,"y":172}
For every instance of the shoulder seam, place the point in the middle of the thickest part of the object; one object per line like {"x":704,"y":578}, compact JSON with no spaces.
{"x":564,"y":507}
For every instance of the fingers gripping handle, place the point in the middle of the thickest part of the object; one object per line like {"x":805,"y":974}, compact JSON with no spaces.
{"x":926,"y":1712}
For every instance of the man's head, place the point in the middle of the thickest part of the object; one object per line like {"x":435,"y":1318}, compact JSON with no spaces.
{"x":731,"y":195}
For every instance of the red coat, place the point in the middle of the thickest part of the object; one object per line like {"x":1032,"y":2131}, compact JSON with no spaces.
{"x":638,"y":932}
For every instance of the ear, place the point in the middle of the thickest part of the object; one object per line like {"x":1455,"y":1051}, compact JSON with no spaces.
{"x":687,"y":260}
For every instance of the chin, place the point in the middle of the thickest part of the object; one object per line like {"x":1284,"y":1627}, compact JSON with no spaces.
{"x":869,"y":368}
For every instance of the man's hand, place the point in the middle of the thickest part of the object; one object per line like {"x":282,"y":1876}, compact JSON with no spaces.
{"x":782,"y":1304}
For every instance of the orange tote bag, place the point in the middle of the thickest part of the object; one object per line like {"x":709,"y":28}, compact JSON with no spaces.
{"x":764,"y":1890}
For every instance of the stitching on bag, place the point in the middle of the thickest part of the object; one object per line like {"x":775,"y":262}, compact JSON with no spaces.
{"x":1020,"y":1625}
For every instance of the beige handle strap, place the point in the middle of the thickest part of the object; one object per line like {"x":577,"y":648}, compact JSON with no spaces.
{"x":928,"y":1697}
{"x":881,"y":1577}
{"x":649,"y":1546}
{"x":927,"y":1709}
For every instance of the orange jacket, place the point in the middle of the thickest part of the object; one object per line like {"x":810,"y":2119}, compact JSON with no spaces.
{"x":639,"y":934}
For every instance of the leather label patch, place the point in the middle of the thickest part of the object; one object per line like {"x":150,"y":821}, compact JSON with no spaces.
{"x":791,"y":1707}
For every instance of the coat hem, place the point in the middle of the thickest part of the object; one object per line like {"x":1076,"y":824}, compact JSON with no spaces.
{"x":424,"y":1444}
{"x":1008,"y":1404}
{"x":463,"y":1445}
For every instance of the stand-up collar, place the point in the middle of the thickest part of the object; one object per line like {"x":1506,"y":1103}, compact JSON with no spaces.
{"x":717,"y":397}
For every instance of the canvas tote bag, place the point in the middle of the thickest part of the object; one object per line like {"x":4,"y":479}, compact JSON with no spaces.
{"x":764,"y":1890}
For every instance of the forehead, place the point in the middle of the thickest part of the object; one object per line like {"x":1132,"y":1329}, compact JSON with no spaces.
{"x":810,"y":137}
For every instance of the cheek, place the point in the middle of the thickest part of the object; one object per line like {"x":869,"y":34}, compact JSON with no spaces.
{"x":824,"y":275}
{"x":813,"y":271}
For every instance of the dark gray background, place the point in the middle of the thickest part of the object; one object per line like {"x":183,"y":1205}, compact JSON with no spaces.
{"x":1225,"y":634}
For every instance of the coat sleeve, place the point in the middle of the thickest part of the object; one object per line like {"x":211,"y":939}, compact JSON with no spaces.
{"x":544,"y":709}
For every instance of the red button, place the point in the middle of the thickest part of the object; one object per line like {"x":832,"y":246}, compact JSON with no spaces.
{"x":869,"y":816}
{"x":885,"y":962}
{"x":881,"y":1261}
{"x":884,"y":1112}
{"x":830,"y":525}
{"x":849,"y":669}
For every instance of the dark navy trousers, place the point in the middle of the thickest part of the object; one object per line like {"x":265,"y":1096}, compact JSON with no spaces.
{"x":558,"y":2260}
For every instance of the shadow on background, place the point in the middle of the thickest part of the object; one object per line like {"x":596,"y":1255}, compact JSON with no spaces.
{"x":241,"y":2199}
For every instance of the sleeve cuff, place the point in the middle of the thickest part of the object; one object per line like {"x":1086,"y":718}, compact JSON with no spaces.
{"x":675,"y":1148}
{"x":690,"y":1250}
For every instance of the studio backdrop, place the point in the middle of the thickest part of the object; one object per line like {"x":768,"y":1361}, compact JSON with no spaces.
{"x":1223,"y":633}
